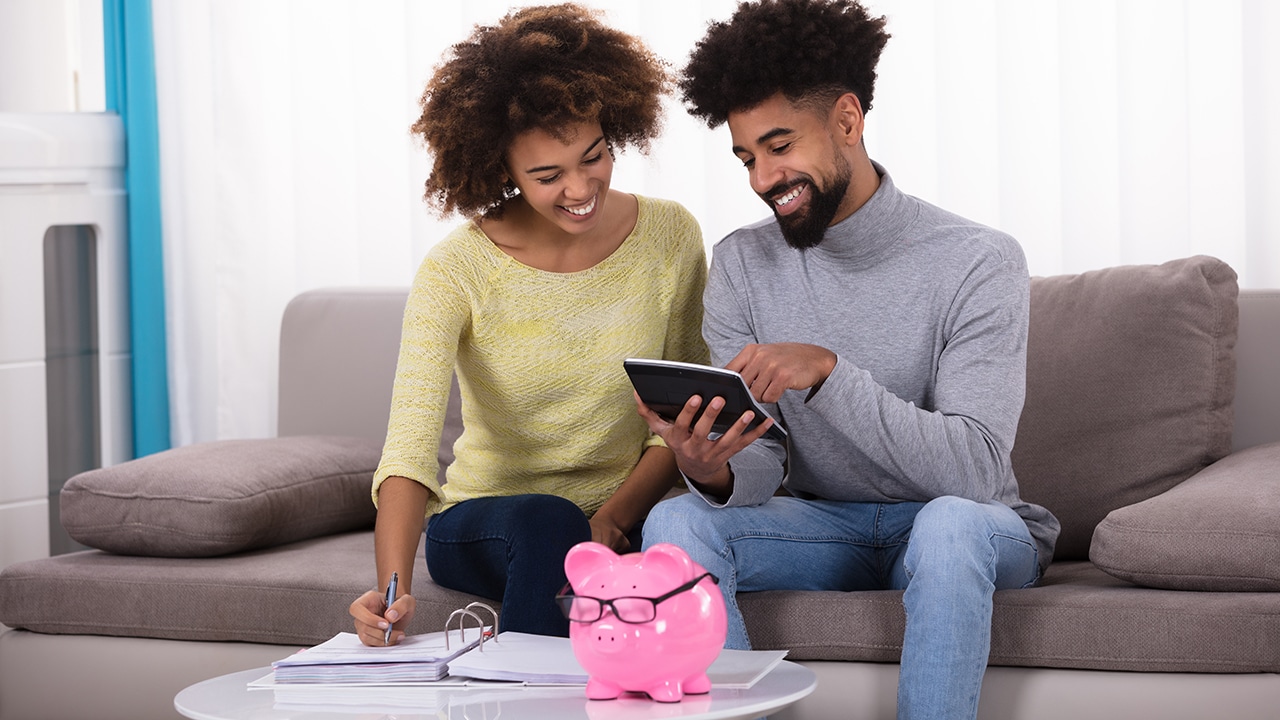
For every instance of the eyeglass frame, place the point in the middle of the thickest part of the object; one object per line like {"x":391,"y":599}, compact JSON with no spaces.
{"x":565,"y":609}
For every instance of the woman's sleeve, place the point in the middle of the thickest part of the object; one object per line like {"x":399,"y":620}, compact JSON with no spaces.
{"x":684,"y":326}
{"x":435,"y":315}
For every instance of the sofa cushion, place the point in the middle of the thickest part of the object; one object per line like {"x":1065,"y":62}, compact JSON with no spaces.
{"x":1078,"y":617}
{"x":1130,"y":382}
{"x":291,"y":594}
{"x":1219,"y":530}
{"x":222,"y":497}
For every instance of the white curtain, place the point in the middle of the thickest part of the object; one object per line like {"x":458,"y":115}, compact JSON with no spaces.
{"x":1097,"y":132}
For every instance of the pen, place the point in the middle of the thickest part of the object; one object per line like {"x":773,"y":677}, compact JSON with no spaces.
{"x":391,"y":597}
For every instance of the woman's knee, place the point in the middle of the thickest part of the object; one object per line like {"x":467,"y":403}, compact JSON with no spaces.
{"x":548,"y":520}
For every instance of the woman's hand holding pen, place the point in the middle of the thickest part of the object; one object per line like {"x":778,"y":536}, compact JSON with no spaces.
{"x":397,"y":533}
{"x":372,"y":623}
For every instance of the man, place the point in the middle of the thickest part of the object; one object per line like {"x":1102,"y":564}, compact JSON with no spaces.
{"x":891,"y":335}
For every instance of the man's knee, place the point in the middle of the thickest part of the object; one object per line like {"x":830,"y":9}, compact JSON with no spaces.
{"x":957,"y":538}
{"x":675,"y":520}
{"x":947,"y":532}
{"x":950,"y":519}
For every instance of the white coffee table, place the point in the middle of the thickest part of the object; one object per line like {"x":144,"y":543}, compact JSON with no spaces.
{"x":229,"y":697}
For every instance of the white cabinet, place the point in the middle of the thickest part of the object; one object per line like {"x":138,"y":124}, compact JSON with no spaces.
{"x":65,"y":400}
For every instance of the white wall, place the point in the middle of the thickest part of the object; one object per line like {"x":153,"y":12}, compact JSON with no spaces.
{"x":1097,"y":132}
{"x":51,"y":56}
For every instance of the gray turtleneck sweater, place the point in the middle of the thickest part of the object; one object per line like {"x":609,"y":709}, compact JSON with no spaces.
{"x":927,"y":313}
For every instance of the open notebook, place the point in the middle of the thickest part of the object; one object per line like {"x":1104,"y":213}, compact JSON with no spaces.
{"x":416,"y":658}
{"x":542,"y":660}
{"x":514,"y":658}
{"x":344,"y":659}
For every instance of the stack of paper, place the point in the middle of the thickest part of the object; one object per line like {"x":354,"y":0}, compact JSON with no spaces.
{"x":543,"y":660}
{"x":514,"y":658}
{"x":522,"y":657}
{"x":344,"y":659}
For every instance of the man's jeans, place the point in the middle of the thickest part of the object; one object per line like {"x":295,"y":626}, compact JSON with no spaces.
{"x":949,"y":555}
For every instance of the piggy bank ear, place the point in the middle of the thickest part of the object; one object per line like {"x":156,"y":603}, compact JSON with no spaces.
{"x":669,"y":559}
{"x":586,"y":558}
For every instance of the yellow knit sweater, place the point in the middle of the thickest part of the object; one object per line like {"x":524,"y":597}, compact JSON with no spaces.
{"x":546,"y":405}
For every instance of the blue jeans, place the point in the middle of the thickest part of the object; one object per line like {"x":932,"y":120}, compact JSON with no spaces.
{"x":509,"y":549}
{"x":949,"y":555}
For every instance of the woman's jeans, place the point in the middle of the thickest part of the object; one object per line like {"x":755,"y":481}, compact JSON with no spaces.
{"x":949,"y":555}
{"x":509,"y":549}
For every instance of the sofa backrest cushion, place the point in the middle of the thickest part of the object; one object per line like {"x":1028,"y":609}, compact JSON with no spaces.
{"x":1219,"y":531}
{"x":1130,"y":382}
{"x":226,"y":496}
{"x":1257,"y":406}
{"x":338,"y":350}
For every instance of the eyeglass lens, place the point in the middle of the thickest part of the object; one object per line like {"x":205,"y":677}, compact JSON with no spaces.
{"x":628,"y":609}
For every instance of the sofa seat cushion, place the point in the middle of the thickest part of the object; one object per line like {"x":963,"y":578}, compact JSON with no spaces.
{"x":1079,"y":617}
{"x":1219,"y":530}
{"x":1130,"y":383}
{"x":222,"y":497}
{"x":294,"y":594}
{"x":298,"y":594}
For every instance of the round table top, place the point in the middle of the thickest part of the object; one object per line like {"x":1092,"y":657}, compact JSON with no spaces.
{"x":230,"y":697}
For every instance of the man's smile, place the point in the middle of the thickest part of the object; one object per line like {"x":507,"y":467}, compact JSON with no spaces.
{"x":786,"y":201}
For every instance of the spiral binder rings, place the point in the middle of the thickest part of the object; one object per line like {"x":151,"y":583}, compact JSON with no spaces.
{"x":417,"y":658}
{"x":462,"y":614}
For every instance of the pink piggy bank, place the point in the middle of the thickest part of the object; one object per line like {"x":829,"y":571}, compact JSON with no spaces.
{"x":650,"y":622}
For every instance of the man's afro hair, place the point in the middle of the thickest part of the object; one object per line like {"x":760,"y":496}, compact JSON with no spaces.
{"x":794,"y":47}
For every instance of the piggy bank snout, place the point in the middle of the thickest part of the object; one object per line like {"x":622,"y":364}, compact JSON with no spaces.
{"x":609,"y":639}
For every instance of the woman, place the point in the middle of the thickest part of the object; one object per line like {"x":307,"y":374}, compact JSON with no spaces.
{"x":535,"y":302}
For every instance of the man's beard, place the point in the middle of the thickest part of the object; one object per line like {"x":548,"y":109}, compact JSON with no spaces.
{"x":808,"y":227}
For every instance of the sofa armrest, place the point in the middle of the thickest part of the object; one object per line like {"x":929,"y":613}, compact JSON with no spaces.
{"x":1218,"y":530}
{"x":222,"y":497}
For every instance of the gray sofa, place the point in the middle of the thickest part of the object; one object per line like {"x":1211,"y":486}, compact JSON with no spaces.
{"x":1151,"y":428}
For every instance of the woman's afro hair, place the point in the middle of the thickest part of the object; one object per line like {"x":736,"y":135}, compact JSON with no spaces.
{"x":547,"y":67}
{"x":794,"y":47}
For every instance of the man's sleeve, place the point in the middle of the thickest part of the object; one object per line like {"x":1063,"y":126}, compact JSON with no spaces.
{"x":961,"y":445}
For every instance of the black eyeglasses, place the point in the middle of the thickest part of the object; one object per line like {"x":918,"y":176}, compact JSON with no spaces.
{"x":583,"y":609}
